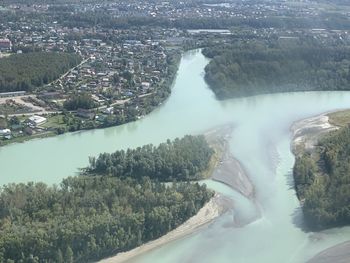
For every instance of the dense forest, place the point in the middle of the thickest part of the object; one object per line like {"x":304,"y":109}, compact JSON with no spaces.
{"x":251,"y":69}
{"x":30,"y":70}
{"x":181,"y":159}
{"x":324,"y":182}
{"x":87,"y":218}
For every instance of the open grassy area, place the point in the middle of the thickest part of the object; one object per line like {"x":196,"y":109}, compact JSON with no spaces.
{"x":340,"y":118}
{"x":55,"y":121}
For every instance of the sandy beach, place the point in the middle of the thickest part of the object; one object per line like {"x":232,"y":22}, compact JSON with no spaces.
{"x":206,"y":214}
{"x":306,"y":132}
{"x":223,"y":168}
{"x":337,"y":254}
{"x":227,"y":169}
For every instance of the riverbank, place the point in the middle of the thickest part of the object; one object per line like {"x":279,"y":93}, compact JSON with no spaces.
{"x":306,"y":134}
{"x":258,"y":127}
{"x":226,"y":168}
{"x":211,"y":210}
{"x":119,"y":112}
{"x":337,"y":254}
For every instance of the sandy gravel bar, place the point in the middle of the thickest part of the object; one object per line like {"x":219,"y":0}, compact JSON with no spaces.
{"x":205,"y":215}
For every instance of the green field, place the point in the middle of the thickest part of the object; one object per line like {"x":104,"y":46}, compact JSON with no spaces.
{"x":55,"y":121}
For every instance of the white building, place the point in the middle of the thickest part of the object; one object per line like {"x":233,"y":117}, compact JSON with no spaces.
{"x":37,"y":120}
{"x":12,"y":94}
{"x":108,"y":111}
{"x":5,"y":132}
{"x":145,"y":86}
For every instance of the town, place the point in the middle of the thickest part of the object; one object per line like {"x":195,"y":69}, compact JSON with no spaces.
{"x":126,"y":69}
{"x":125,"y":78}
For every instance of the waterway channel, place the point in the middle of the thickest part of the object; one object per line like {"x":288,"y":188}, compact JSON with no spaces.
{"x":260,"y":141}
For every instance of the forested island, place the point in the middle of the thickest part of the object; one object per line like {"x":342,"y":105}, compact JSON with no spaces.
{"x":322,"y":180}
{"x":182,"y":160}
{"x":248,"y":69}
{"x":29,"y":70}
{"x":87,"y":218}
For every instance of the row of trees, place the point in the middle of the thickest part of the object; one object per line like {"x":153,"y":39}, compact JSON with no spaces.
{"x":324,"y":182}
{"x":30,"y":70}
{"x":257,"y":69}
{"x":181,"y":159}
{"x":88,"y":218}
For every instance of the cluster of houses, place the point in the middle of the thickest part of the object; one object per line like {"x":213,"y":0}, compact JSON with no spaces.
{"x":5,"y":133}
{"x":185,"y":9}
{"x":116,"y":71}
{"x":5,"y":44}
{"x":133,"y":64}
{"x":29,"y":126}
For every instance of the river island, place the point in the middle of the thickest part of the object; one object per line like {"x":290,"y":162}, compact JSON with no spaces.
{"x":167,"y":179}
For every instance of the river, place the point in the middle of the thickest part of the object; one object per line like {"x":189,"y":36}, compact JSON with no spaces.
{"x":260,"y":141}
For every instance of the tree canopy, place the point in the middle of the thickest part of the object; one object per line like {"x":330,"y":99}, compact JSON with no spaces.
{"x":324,"y":181}
{"x":181,"y":159}
{"x":30,"y":70}
{"x":88,"y":218}
{"x":79,"y":101}
{"x":120,"y":203}
{"x":253,"y":69}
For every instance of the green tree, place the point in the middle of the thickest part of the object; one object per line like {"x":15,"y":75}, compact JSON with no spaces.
{"x":69,"y":258}
{"x":59,"y":256}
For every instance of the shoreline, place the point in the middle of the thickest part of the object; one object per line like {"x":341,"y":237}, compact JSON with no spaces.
{"x":209,"y":212}
{"x":305,"y":134}
{"x":228,"y":170}
{"x":169,"y":80}
{"x":337,"y":254}
{"x":223,"y":168}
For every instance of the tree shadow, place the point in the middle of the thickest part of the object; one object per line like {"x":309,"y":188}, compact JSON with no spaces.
{"x":299,"y":221}
{"x":297,"y":215}
{"x":290,"y":180}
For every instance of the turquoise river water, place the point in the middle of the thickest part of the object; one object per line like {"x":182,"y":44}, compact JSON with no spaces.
{"x":260,"y":141}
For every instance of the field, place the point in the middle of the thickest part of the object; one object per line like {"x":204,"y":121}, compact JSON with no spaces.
{"x":55,"y":121}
